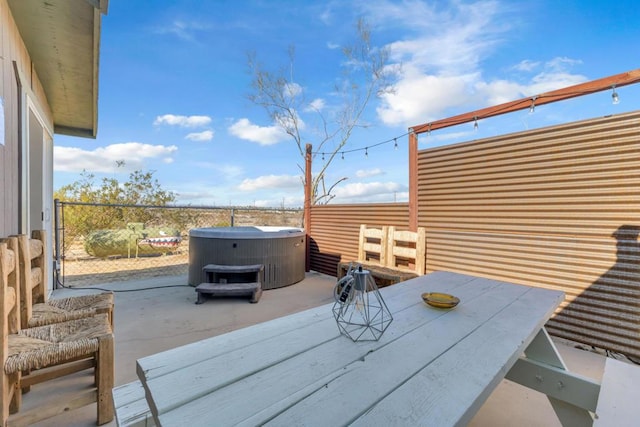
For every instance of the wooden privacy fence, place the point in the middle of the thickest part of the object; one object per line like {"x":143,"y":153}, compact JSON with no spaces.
{"x":557,"y":208}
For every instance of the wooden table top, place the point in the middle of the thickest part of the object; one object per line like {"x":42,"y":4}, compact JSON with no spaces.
{"x":431,"y":366}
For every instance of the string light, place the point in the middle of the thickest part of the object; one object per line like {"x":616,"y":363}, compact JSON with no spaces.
{"x":615,"y":98}
{"x":532,"y":109}
{"x":388,"y":141}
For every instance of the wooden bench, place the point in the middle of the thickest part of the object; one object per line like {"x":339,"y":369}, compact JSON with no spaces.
{"x":231,"y":280}
{"x":391,"y":255}
{"x":132,"y":409}
{"x":619,"y":398}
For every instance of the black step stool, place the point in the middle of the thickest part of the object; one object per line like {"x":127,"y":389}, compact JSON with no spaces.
{"x":231,"y":280}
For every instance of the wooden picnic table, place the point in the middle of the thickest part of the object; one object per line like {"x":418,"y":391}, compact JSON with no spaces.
{"x":431,"y":366}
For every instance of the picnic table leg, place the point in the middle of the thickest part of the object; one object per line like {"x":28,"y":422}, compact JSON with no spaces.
{"x":572,"y":396}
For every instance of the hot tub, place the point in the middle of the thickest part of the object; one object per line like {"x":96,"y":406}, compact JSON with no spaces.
{"x":280,"y":249}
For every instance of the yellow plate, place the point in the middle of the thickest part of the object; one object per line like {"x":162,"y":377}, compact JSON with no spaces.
{"x":439,"y":300}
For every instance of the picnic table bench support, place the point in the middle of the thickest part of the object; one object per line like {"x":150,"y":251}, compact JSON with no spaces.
{"x":572,"y":396}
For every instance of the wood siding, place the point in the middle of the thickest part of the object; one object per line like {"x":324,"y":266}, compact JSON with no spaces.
{"x":335,"y":228}
{"x":13,"y":51}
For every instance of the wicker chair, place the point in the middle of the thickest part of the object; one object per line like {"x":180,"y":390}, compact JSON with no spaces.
{"x":37,"y":310}
{"x":49,"y":352}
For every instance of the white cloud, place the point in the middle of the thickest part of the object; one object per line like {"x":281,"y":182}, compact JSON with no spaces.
{"x":362,"y":173}
{"x":182,"y":29}
{"x":315,"y":105}
{"x":420,"y":98}
{"x":327,"y":15}
{"x":103,"y":159}
{"x":526,"y":65}
{"x":291,"y":90}
{"x":270,"y":182}
{"x":500,"y":91}
{"x":545,"y":82}
{"x":182,"y":121}
{"x":263,"y":135}
{"x":561,"y":64}
{"x":206,"y":135}
{"x":372,"y":191}
{"x":442,"y":64}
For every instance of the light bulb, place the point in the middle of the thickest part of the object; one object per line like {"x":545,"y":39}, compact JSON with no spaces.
{"x":532,"y":108}
{"x":614,"y":96}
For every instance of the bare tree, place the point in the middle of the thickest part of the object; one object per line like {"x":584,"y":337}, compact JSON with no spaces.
{"x":366,"y":76}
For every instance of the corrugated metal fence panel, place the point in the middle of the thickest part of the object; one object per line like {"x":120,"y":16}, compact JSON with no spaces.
{"x":335,"y":228}
{"x":556,"y":207}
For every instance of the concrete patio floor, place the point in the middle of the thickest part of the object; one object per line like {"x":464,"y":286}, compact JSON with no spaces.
{"x":157,"y":314}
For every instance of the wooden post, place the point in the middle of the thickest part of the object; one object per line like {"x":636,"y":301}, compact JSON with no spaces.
{"x":413,"y":180}
{"x":307,"y":206}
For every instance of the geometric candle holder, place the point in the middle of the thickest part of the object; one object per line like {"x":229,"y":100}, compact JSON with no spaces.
{"x":359,"y":310}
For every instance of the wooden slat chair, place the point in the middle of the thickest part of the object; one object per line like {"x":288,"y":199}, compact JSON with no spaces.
{"x":372,"y":245}
{"x":406,"y":250}
{"x":9,"y":317}
{"x":390,"y":255}
{"x":49,"y":352}
{"x":37,"y":309}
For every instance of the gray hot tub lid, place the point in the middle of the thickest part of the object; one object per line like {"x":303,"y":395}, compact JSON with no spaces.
{"x":257,"y":232}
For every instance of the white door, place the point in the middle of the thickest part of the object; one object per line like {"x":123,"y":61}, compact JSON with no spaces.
{"x":37,"y":169}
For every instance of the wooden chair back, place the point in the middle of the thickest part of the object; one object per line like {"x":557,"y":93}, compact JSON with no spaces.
{"x":406,"y":250}
{"x":9,"y":317}
{"x":33,"y":272}
{"x":10,"y":277}
{"x":372,"y":245}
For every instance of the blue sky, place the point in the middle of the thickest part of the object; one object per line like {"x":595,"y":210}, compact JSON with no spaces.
{"x":174,"y":87}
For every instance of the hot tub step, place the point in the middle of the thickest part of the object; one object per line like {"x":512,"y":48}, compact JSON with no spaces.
{"x":215,"y":268}
{"x":229,"y":289}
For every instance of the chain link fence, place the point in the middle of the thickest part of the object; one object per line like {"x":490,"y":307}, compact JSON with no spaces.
{"x":99,"y":243}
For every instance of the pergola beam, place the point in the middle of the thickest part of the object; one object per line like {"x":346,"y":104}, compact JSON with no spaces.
{"x":581,"y":89}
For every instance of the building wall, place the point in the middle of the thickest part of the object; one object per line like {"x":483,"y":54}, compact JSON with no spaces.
{"x":15,"y":65}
